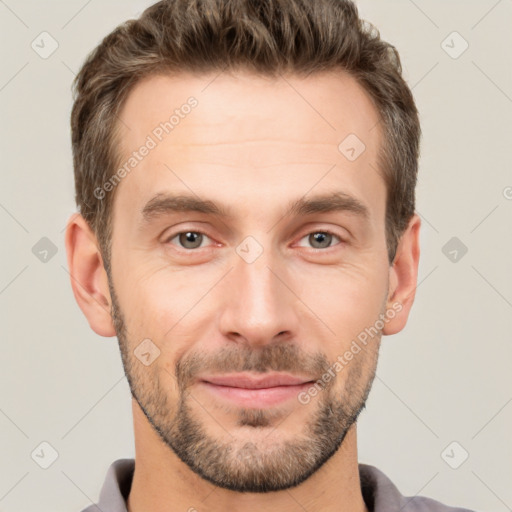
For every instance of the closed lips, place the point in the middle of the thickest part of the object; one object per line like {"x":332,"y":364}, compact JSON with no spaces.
{"x":247,"y":382}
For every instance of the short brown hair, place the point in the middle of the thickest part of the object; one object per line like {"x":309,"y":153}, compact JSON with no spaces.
{"x":267,"y":36}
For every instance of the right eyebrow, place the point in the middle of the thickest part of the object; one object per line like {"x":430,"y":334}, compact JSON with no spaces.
{"x":163,"y":204}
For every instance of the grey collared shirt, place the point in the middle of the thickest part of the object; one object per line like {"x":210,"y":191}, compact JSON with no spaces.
{"x":379,"y":493}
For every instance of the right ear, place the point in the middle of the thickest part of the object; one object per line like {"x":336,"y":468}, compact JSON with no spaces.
{"x":89,"y":279}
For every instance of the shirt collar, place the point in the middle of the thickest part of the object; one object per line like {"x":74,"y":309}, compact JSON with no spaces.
{"x":379,"y":492}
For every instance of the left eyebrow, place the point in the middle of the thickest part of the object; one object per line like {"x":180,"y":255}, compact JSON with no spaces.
{"x":164,"y":204}
{"x":335,"y":201}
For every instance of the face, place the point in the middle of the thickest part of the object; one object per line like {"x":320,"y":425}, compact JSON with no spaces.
{"x":248,"y":254}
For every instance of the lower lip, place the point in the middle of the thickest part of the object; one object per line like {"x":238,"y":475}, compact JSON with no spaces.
{"x":264,"y":397}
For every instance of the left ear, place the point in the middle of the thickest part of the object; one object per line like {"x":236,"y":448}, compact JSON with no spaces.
{"x":403,"y":277}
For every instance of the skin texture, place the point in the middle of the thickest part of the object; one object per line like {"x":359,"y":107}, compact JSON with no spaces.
{"x":253,"y":145}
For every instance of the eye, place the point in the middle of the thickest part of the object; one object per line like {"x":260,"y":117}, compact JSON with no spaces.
{"x":320,"y":239}
{"x":195,"y":239}
{"x":188,"y":239}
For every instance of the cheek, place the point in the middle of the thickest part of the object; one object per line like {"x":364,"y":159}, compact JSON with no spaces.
{"x":346,"y":299}
{"x":165,"y":305}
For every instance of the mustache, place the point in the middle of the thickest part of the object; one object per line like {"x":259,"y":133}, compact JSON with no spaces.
{"x":283,"y":357}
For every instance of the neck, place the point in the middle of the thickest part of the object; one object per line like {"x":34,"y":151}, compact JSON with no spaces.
{"x":163,"y":483}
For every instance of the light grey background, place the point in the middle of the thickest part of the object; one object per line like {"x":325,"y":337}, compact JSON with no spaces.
{"x":445,"y":378}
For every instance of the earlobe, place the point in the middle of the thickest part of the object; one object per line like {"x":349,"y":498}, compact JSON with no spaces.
{"x":403,"y":278}
{"x":89,"y":280}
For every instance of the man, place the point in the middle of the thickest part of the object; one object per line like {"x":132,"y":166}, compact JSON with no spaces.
{"x":245,"y":176}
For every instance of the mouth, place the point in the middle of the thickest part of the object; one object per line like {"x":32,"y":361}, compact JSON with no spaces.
{"x":255,"y":392}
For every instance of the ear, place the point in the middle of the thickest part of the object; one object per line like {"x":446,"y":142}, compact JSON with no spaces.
{"x":403,"y":277}
{"x":89,"y":279}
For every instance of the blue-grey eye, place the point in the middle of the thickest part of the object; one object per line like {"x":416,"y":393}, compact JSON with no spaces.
{"x":321,"y":239}
{"x":189,"y":239}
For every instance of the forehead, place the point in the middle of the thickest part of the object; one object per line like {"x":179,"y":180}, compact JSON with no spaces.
{"x":254,"y":106}
{"x":222,"y":131}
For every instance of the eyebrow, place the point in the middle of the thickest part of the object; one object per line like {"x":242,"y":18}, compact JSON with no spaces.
{"x":164,"y":204}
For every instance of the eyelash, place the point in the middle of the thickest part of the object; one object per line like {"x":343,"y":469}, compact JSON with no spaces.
{"x":323,"y":231}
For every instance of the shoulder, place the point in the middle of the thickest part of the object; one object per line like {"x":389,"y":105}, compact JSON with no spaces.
{"x":381,"y":495}
{"x":116,"y":487}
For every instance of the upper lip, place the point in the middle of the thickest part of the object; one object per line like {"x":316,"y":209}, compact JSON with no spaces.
{"x":244,"y":380}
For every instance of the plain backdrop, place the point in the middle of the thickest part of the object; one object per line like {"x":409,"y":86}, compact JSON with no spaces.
{"x":443,"y":390}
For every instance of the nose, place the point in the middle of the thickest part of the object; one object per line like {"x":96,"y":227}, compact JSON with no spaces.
{"x":259,"y":306}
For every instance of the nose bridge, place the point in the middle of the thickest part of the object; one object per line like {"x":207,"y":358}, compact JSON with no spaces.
{"x":258,"y":306}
